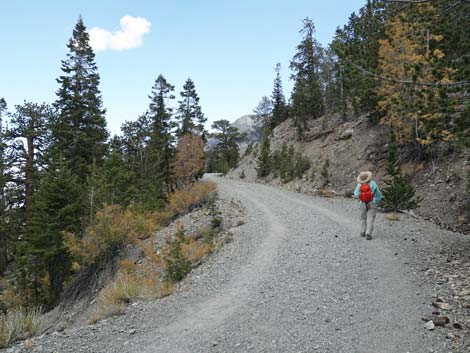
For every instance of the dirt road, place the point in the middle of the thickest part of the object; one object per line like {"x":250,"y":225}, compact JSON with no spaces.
{"x":296,"y":278}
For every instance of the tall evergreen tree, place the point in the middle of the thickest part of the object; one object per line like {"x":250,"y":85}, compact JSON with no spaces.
{"x":225,"y":154}
{"x":79,"y":132}
{"x":5,"y":236}
{"x":116,"y":180}
{"x":356,"y":46}
{"x":190,"y":115}
{"x":161,"y":138}
{"x":43,"y":261}
{"x":264,"y":113}
{"x":134,"y":139}
{"x":161,"y":147}
{"x":29,"y":127}
{"x":307,"y":95}
{"x":452,"y":22}
{"x":279,"y":107}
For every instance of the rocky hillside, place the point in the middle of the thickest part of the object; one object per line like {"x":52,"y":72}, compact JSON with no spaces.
{"x":349,"y":147}
{"x":249,"y":126}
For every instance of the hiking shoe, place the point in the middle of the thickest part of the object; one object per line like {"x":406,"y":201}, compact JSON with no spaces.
{"x":363,"y":235}
{"x":369,"y":237}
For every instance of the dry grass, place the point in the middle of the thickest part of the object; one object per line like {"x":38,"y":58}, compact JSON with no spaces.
{"x":194,"y":251}
{"x":17,"y":324}
{"x":392,"y":216}
{"x":113,"y":298}
{"x":123,"y":290}
{"x":325,"y":192}
{"x":182,"y":200}
{"x":166,"y":289}
{"x":410,"y":168}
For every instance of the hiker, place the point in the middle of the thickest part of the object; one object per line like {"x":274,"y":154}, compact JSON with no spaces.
{"x":369,"y":195}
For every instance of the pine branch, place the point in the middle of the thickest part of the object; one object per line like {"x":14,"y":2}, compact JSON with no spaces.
{"x":409,"y":82}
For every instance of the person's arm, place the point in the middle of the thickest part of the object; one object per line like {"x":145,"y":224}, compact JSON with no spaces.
{"x":357,"y":191}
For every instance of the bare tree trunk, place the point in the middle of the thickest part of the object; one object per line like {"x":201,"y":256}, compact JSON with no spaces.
{"x":29,"y":176}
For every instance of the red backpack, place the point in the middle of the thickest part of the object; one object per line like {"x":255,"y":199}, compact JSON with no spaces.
{"x":365,"y":194}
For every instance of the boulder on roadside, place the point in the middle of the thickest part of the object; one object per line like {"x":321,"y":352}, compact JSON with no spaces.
{"x":429,"y":325}
{"x":346,"y":134}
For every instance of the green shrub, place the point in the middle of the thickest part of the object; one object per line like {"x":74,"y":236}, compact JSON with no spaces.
{"x":302,"y":164}
{"x":249,"y":150}
{"x":325,"y":173}
{"x":264,"y":167}
{"x":216,"y":218}
{"x":177,"y":266}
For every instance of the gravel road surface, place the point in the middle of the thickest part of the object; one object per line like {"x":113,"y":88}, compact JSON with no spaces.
{"x":296,"y":278}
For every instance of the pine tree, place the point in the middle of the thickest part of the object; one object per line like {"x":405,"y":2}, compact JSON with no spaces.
{"x":356,"y":45}
{"x":177,"y":266}
{"x":263,"y":167}
{"x":307,"y":95}
{"x":12,"y":193}
{"x":29,"y":127}
{"x":116,"y":181}
{"x":264,"y":111}
{"x":5,"y":236}
{"x":160,"y":148}
{"x":226,"y":148}
{"x":79,"y":132}
{"x":398,"y":192}
{"x":141,"y":161}
{"x":279,"y":110}
{"x":190,"y":115}
{"x":43,"y":262}
{"x":134,"y":139}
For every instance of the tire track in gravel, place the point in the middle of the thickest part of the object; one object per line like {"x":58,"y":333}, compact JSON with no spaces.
{"x":213,"y":311}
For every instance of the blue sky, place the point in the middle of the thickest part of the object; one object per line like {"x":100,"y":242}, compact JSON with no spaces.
{"x":228,"y":48}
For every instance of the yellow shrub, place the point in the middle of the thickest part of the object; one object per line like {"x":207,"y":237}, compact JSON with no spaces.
{"x":182,"y":200}
{"x":193,"y":251}
{"x":127,"y":266}
{"x":112,"y":228}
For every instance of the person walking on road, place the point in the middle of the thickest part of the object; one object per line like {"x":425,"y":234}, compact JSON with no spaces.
{"x":369,"y":195}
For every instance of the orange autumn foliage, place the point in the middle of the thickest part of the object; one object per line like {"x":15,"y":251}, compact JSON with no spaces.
{"x":410,"y":53}
{"x":189,"y":159}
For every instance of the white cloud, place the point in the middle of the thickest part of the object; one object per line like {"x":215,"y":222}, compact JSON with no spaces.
{"x":129,"y":36}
